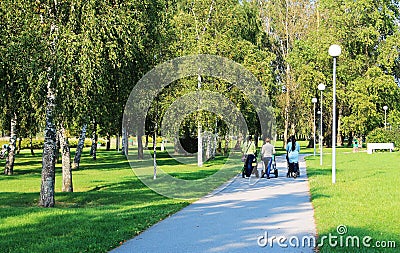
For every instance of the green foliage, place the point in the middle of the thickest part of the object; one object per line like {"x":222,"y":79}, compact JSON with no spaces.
{"x":380,"y":135}
{"x":367,"y":69}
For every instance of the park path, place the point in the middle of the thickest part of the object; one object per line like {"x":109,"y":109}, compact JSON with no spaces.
{"x":238,"y":219}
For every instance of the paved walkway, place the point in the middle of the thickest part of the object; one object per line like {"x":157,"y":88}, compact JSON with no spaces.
{"x":238,"y":219}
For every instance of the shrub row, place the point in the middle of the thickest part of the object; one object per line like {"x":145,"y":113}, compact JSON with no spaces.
{"x":380,"y":135}
{"x":38,"y":143}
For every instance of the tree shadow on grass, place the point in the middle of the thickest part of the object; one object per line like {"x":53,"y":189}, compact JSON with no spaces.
{"x":91,"y":221}
{"x":95,"y":229}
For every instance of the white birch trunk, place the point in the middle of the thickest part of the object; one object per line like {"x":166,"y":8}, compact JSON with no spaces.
{"x":94,"y":141}
{"x":9,"y":168}
{"x":124,"y":142}
{"x":49,"y":147}
{"x":79,"y":147}
{"x":66,"y":161}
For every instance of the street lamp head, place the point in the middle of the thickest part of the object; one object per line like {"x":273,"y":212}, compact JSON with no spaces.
{"x":385,"y":108}
{"x":334,"y":50}
{"x":314,"y":100}
{"x":321,"y":86}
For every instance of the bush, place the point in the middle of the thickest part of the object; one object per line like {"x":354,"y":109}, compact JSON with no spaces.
{"x":102,"y":142}
{"x":380,"y":135}
{"x":73,"y":142}
{"x":36,"y":143}
{"x":2,"y":142}
{"x":88,"y":143}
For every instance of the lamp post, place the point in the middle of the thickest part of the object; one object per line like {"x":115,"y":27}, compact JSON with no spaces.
{"x":385,"y":108}
{"x":321,"y":87}
{"x":314,"y":101}
{"x":334,"y":51}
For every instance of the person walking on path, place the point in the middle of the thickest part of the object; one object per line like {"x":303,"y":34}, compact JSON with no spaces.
{"x":267,"y":151}
{"x":238,"y":217}
{"x":292,"y":151}
{"x":355,"y":145}
{"x":249,"y":151}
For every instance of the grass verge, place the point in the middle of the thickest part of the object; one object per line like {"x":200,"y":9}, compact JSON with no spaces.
{"x":108,"y":206}
{"x":365,"y":198}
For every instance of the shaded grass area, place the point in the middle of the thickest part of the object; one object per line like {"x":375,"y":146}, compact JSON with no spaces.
{"x":365,"y":198}
{"x":109,"y":205}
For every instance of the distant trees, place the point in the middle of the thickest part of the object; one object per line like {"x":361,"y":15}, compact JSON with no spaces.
{"x":67,"y":67}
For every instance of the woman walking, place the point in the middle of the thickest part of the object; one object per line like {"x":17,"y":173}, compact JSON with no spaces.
{"x":292,"y":151}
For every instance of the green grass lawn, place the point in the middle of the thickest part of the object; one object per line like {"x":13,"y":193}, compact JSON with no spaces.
{"x":365,"y":198}
{"x":109,"y":205}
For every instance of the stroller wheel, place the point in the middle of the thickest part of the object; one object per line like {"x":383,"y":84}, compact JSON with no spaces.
{"x":294,"y":174}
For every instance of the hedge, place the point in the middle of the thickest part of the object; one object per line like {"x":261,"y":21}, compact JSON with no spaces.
{"x":380,"y":135}
{"x":38,"y":143}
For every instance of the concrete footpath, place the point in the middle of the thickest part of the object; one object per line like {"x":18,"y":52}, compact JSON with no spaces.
{"x":246,"y":216}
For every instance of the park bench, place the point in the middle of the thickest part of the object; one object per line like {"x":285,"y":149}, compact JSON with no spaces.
{"x":372,"y":146}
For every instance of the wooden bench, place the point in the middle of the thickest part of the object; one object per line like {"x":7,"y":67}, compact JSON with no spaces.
{"x":372,"y":146}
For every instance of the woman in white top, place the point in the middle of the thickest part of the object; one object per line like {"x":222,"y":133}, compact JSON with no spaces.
{"x":267,"y":151}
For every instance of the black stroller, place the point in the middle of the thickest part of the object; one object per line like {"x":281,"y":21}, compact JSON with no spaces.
{"x":250,"y":166}
{"x":293,"y":169}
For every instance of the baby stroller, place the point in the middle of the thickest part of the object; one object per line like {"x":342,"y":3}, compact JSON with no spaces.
{"x":273,"y":169}
{"x":250,"y":166}
{"x":293,"y":172}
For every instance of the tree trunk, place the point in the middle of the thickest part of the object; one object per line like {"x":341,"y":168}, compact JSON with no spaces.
{"x":79,"y":147}
{"x":208,"y":147}
{"x":19,"y":145}
{"x":176,"y":145}
{"x":66,"y":161}
{"x":199,"y":146}
{"x":49,"y":147}
{"x":140,"y":146}
{"x":124,"y":142}
{"x":57,"y":148}
{"x":9,"y":168}
{"x":49,"y":156}
{"x":93,"y":149}
{"x":117,"y":143}
{"x":108,"y":145}
{"x":226,"y":148}
{"x":146,"y":143}
{"x":31,"y":144}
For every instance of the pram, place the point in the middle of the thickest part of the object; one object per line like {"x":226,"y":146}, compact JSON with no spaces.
{"x":293,"y":172}
{"x":272,"y":165}
{"x":250,"y":166}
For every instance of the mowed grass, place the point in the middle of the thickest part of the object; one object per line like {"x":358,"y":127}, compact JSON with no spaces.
{"x":108,"y":206}
{"x":365,"y":198}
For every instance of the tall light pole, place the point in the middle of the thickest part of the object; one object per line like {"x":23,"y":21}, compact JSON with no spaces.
{"x":385,"y":108}
{"x":314,"y":101}
{"x":321,"y":87}
{"x":334,"y":51}
{"x":199,"y":130}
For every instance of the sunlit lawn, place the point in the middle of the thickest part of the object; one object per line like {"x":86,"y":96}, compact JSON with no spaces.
{"x":109,"y":205}
{"x":365,"y":198}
